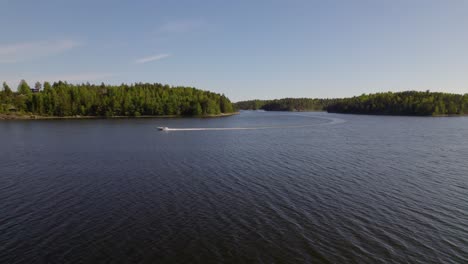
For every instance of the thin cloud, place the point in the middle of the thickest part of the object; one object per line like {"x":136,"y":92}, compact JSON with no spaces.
{"x":152,"y":58}
{"x":180,"y":26}
{"x":17,"y":52}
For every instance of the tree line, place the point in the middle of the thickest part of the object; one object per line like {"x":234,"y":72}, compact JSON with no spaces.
{"x":389,"y":103}
{"x":285,"y":104}
{"x":139,"y":99}
{"x":403,"y":103}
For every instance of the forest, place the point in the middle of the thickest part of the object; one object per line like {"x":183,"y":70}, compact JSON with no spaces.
{"x":403,"y":103}
{"x":62,"y":99}
{"x":400,"y":103}
{"x":286,"y":104}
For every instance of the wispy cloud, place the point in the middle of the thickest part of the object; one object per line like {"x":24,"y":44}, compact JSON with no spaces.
{"x":152,"y":58}
{"x":181,"y":26}
{"x":16,"y":52}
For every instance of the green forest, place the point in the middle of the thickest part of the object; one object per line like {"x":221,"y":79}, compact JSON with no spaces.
{"x":389,"y":103}
{"x":403,"y":103}
{"x":62,"y":99}
{"x":286,"y":104}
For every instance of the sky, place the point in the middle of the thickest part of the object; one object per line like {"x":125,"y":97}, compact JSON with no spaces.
{"x":251,"y":49}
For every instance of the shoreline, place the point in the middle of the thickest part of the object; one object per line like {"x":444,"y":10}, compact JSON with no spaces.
{"x":5,"y":117}
{"x":381,"y":114}
{"x":361,"y":114}
{"x":364,"y":114}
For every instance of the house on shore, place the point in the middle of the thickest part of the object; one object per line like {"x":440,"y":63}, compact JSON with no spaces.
{"x":35,"y":90}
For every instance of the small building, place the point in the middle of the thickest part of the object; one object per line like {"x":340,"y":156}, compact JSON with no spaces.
{"x":37,"y":87}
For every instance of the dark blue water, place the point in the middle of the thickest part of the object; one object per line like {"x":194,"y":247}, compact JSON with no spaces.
{"x":314,"y":187}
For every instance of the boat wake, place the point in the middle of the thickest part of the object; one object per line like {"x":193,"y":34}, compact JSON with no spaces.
{"x":332,"y":120}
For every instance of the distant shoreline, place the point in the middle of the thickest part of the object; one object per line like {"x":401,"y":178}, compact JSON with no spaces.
{"x":38,"y":117}
{"x":362,"y":114}
{"x":407,"y":103}
{"x":408,"y":115}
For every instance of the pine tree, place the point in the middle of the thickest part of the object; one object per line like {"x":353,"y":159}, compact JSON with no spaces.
{"x":23,"y":88}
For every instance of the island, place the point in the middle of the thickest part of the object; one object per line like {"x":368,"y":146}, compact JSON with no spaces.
{"x":65,"y":100}
{"x":409,"y":103}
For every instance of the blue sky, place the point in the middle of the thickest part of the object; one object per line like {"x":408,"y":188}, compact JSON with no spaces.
{"x":244,"y":49}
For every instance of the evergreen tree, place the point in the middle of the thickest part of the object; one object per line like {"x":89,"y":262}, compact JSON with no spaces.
{"x":64,"y":99}
{"x":6,"y":89}
{"x":37,"y":86}
{"x":23,"y":88}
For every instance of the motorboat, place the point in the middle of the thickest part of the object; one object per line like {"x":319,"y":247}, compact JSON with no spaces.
{"x":163,"y":128}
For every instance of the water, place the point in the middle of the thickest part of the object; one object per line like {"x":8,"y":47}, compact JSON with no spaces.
{"x":308,"y":187}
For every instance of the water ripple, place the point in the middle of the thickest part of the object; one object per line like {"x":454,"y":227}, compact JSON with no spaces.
{"x":324,"y":188}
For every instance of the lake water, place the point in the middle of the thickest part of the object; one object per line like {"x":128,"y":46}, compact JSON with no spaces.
{"x":303,"y":187}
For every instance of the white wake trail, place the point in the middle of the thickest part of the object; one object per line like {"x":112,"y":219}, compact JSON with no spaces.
{"x":332,"y":120}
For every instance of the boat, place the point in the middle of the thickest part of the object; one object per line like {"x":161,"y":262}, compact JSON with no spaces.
{"x":163,"y":128}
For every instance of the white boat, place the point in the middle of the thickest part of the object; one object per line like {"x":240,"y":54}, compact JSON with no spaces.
{"x":163,"y":128}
